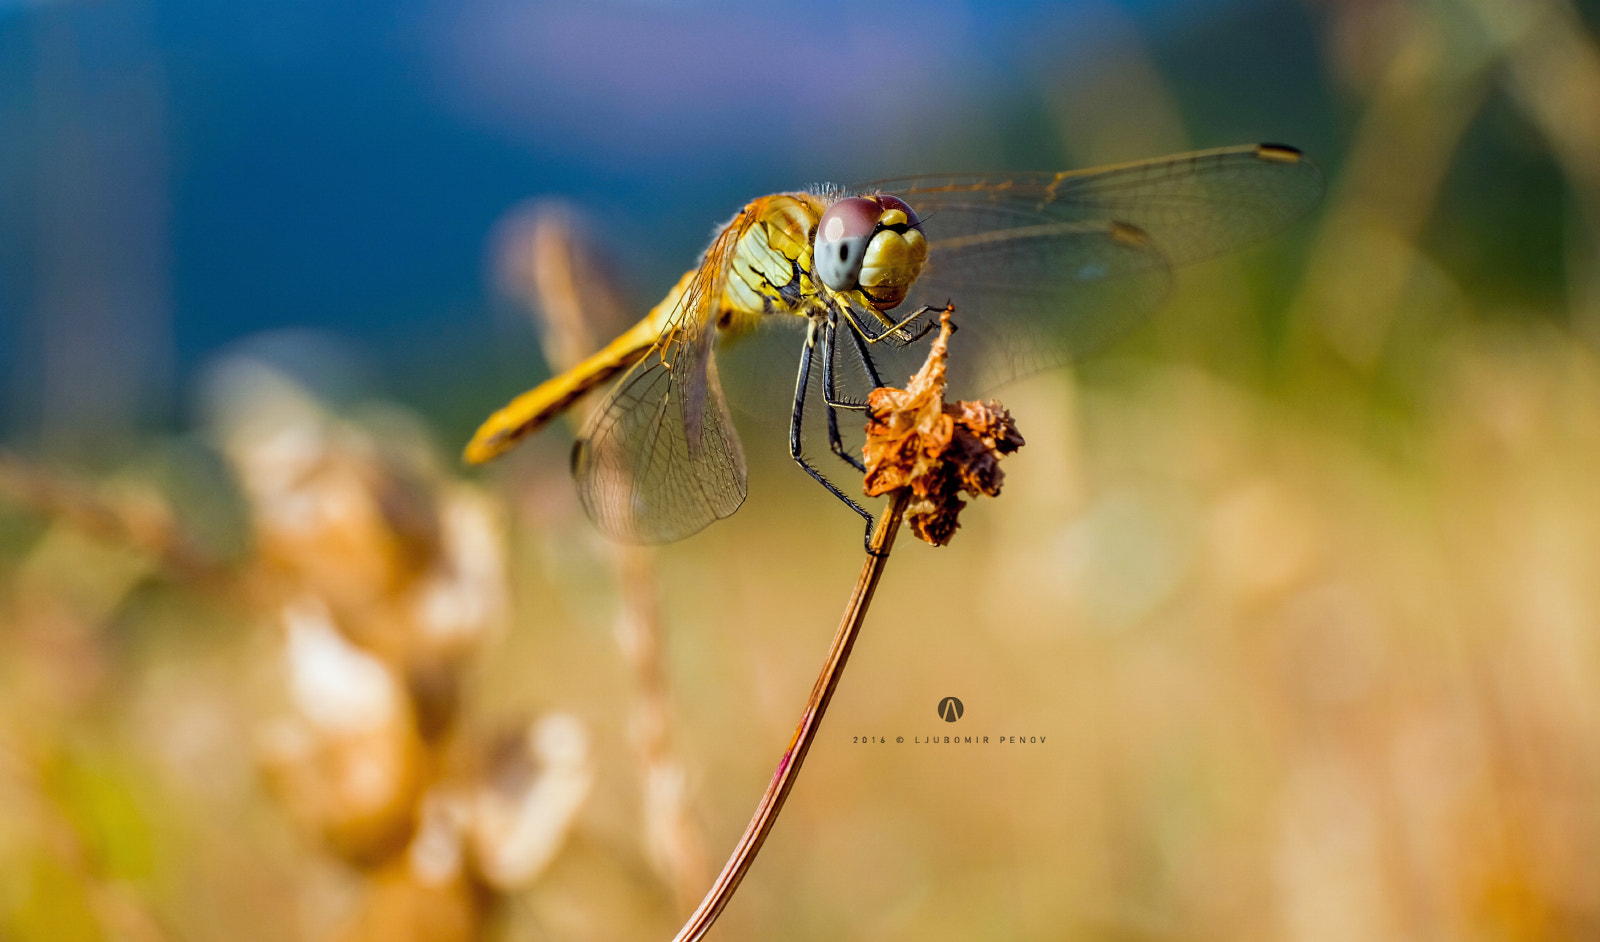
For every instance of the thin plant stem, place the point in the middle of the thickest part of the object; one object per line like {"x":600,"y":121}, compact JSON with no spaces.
{"x":766,"y":815}
{"x":672,"y":841}
{"x":54,"y":496}
{"x":554,"y":269}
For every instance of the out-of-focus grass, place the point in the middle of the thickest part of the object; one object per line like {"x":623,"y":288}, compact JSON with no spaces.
{"x":1296,"y":589}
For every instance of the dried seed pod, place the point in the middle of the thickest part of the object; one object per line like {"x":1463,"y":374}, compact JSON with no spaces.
{"x":937,"y":449}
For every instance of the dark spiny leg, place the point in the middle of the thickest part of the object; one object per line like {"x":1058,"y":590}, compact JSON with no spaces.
{"x":890,"y":330}
{"x":866,"y":360}
{"x":796,"y":421}
{"x":830,"y":336}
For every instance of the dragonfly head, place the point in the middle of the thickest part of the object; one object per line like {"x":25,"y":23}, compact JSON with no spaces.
{"x":871,"y":243}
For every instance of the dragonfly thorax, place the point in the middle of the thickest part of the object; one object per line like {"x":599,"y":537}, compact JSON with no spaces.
{"x":794,"y":247}
{"x":770,"y":271}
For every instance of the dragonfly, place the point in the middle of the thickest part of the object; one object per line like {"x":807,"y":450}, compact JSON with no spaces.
{"x":1043,"y":267}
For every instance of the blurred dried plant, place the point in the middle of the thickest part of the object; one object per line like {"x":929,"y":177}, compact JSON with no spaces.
{"x":388,"y":578}
{"x":384,"y":579}
{"x":547,"y":261}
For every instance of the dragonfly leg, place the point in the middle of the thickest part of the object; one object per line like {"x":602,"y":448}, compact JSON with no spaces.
{"x":796,"y":423}
{"x":867,"y":363}
{"x":830,"y":337}
{"x":866,"y":360}
{"x":891,"y":331}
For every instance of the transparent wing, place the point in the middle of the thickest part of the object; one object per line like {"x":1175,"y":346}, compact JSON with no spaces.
{"x":659,"y":459}
{"x":1046,"y":266}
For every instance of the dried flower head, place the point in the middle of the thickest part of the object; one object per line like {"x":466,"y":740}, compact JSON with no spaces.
{"x":937,"y":449}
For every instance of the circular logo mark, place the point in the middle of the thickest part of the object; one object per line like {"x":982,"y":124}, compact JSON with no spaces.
{"x":950,"y":709}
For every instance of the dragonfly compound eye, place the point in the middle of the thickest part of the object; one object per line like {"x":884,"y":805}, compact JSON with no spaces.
{"x":842,"y":236}
{"x":895,"y":254}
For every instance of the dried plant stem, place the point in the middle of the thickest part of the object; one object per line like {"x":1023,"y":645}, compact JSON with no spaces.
{"x":766,"y":815}
{"x":671,"y":838}
{"x":54,"y":496}
{"x":548,"y":263}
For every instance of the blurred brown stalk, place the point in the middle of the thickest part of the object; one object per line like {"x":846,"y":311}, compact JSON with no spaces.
{"x":547,"y":261}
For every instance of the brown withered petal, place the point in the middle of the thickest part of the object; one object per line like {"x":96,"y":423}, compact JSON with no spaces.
{"x":916,"y":440}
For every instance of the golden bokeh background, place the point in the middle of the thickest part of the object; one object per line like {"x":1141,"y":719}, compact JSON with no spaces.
{"x":1294,"y":597}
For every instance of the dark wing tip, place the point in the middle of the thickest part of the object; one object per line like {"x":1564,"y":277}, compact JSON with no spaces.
{"x":1279,"y":152}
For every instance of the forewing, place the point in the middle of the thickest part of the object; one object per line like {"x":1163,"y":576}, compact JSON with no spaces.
{"x":659,"y":459}
{"x":1045,"y":266}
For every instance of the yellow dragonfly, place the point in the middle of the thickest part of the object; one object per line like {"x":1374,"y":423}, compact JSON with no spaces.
{"x":1041,"y":266}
